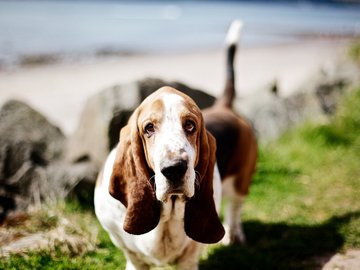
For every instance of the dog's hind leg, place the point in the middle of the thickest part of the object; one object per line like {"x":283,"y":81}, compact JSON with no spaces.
{"x":232,"y":214}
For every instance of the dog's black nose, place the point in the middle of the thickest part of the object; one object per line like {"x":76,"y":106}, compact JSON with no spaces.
{"x":176,"y":171}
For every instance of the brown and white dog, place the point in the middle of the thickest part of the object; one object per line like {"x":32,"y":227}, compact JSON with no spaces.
{"x":159,"y":193}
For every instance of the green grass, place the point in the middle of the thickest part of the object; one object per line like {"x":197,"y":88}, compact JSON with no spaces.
{"x":82,"y":222}
{"x":303,"y":206}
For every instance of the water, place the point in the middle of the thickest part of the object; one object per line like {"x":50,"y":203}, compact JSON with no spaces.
{"x":88,"y":27}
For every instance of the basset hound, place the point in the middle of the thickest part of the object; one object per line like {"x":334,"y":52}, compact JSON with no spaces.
{"x":159,"y":193}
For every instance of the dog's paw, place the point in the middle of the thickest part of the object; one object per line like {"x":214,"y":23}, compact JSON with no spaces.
{"x":233,"y":236}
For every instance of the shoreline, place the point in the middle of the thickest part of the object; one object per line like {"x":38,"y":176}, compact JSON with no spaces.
{"x":23,"y":61}
{"x":60,"y":90}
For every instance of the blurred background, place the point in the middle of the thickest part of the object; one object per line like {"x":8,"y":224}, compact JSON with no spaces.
{"x":89,"y":28}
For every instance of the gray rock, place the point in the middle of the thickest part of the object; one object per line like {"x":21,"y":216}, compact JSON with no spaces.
{"x":331,"y":83}
{"x":73,"y":180}
{"x":271,"y":115}
{"x":32,"y":167}
{"x":28,"y":143}
{"x":19,"y":122}
{"x":103,"y":115}
{"x":317,"y":98}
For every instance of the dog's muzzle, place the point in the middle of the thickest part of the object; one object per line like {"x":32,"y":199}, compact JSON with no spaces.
{"x":175,"y":174}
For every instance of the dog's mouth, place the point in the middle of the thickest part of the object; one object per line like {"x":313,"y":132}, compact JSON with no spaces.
{"x":179,"y":197}
{"x":176,"y":191}
{"x":174,"y":194}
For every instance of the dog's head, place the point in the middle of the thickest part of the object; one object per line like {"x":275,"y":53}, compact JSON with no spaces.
{"x":165,"y":151}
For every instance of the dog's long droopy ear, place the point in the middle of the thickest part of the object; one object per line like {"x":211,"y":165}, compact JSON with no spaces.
{"x":130,"y":182}
{"x":202,"y":222}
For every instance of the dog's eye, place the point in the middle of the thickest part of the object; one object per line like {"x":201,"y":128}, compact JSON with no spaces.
{"x":149,"y":129}
{"x":189,"y":126}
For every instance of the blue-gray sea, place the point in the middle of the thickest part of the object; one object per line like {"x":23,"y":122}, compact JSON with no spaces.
{"x":88,"y":27}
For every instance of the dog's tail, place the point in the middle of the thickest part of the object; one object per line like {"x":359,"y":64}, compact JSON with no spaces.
{"x":232,"y":39}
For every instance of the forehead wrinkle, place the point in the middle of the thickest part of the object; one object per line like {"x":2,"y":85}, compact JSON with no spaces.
{"x":152,"y":111}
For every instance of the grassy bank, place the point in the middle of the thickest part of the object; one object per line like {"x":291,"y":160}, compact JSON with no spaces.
{"x":303,"y":207}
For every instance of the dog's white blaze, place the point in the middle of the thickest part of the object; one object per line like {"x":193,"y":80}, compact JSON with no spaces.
{"x":172,"y":144}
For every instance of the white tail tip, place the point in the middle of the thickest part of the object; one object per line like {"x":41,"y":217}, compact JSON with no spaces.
{"x":233,"y":34}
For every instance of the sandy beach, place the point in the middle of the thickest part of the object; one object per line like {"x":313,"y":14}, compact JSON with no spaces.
{"x":60,"y":90}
